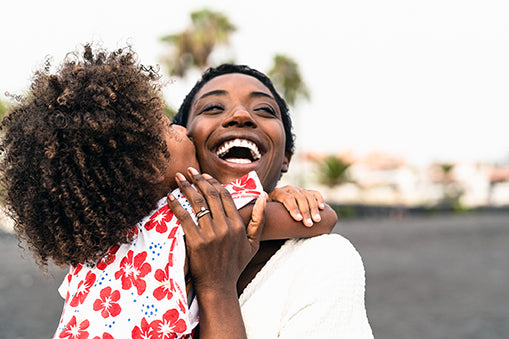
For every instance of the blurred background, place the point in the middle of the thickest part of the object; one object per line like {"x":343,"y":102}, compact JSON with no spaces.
{"x":401,"y":117}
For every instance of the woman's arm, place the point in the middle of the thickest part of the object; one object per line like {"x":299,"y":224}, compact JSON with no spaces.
{"x":218,"y":249}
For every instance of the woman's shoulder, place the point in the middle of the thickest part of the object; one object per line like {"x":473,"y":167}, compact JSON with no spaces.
{"x":301,"y":264}
{"x":327,"y":245}
{"x":328,"y":254}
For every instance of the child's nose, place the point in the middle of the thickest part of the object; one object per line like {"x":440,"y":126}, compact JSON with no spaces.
{"x":179,"y":128}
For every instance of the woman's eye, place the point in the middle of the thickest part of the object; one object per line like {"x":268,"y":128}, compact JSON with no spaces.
{"x":212,"y":109}
{"x":267,"y":109}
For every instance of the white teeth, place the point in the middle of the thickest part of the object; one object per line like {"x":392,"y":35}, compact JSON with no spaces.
{"x":239,"y":161}
{"x":240,"y":143}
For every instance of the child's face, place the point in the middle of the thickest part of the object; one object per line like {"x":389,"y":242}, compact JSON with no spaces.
{"x":182,"y":153}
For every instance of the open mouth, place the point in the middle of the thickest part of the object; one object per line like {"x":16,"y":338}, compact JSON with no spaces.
{"x":239,"y":151}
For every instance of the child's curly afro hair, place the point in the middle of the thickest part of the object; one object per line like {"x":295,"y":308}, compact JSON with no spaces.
{"x":79,"y":154}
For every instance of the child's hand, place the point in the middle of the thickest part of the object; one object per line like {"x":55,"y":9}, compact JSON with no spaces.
{"x":303,"y":205}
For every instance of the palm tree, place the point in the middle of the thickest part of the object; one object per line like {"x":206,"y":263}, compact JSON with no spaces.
{"x":287,"y":78}
{"x":209,"y":30}
{"x":446,"y":169}
{"x":333,"y":171}
{"x":451,"y":189}
{"x":192,"y":47}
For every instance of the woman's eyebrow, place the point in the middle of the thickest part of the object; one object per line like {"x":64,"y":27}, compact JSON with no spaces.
{"x":221,"y":92}
{"x":215,"y":92}
{"x":254,"y":94}
{"x":261,"y":94}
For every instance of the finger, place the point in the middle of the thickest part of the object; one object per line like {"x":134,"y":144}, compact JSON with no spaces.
{"x":227,"y":202}
{"x":183,"y":216}
{"x":319,"y":198}
{"x":303,"y":205}
{"x":191,"y":194}
{"x":196,"y":200}
{"x":209,"y":192}
{"x":312,"y":205}
{"x":288,"y":200}
{"x":255,"y":226}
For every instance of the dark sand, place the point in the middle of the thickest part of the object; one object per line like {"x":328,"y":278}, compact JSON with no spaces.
{"x":438,"y":277}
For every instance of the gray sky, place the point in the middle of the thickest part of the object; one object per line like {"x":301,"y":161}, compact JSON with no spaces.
{"x":427,"y":80}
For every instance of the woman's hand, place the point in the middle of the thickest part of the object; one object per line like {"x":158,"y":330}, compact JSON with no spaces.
{"x":218,"y":249}
{"x":220,"y":246}
{"x":303,"y":205}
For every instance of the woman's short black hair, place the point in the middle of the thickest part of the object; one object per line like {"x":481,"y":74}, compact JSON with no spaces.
{"x":181,"y":118}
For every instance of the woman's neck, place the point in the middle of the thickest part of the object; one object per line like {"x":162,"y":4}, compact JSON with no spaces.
{"x":267,"y":250}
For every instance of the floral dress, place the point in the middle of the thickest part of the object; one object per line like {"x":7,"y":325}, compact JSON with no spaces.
{"x":138,"y":290}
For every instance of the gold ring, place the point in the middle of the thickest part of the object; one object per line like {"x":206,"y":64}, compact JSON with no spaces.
{"x":202,"y":212}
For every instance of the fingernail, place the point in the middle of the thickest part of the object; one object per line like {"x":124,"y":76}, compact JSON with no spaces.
{"x":298,"y":217}
{"x":321,"y":205}
{"x":317,"y":217}
{"x":171,"y":197}
{"x":207,"y":176}
{"x":308,"y":222}
{"x":180,"y":177}
{"x":192,"y":170}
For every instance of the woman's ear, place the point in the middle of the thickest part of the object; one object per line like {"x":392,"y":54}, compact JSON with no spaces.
{"x":286,"y":162}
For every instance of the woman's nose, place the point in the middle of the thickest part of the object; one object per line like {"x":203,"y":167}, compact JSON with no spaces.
{"x":240,"y":117}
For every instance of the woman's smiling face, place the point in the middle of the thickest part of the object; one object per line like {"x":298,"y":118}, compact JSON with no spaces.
{"x":236,"y":126}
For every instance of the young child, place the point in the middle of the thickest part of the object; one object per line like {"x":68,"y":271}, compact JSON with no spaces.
{"x":86,"y":155}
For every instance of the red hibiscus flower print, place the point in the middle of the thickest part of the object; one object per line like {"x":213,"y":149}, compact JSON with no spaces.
{"x":244,"y":188}
{"x":173,"y":243}
{"x":144,"y":331}
{"x":169,"y":326}
{"x":166,"y":284}
{"x":132,"y":232}
{"x":83,"y":289}
{"x":172,"y":234}
{"x":105,"y":336}
{"x":77,"y":269}
{"x":108,"y":258}
{"x":108,"y":304}
{"x":69,"y":277}
{"x":75,"y":329}
{"x":244,"y":183}
{"x":132,"y":270}
{"x":160,"y":220}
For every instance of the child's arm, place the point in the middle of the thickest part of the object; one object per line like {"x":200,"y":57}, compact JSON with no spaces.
{"x":279,"y":224}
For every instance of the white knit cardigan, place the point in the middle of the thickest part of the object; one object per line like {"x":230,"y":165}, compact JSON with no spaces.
{"x":310,"y":288}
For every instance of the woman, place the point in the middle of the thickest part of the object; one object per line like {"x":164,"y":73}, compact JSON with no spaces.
{"x":308,"y":288}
